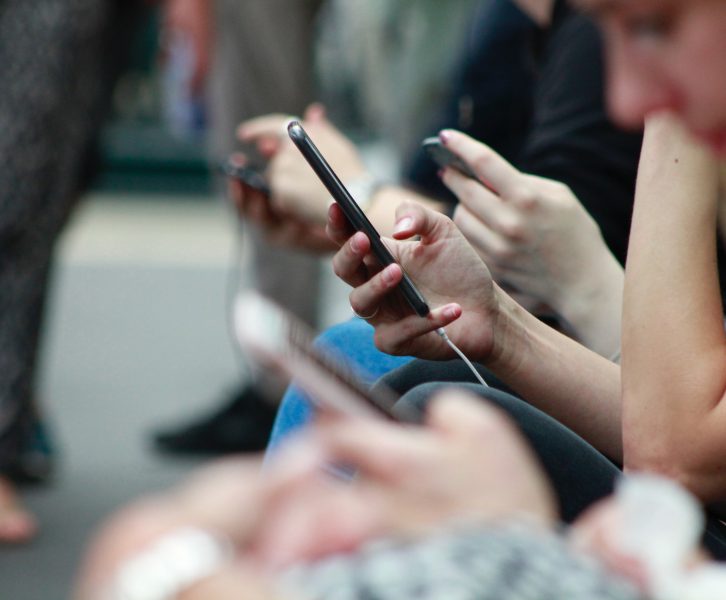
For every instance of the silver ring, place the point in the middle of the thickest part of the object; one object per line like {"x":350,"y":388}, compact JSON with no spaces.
{"x":366,"y":318}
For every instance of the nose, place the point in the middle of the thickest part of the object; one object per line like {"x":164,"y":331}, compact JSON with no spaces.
{"x":636,"y":88}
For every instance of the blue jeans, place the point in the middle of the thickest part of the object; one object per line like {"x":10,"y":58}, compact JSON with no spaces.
{"x":352,"y":342}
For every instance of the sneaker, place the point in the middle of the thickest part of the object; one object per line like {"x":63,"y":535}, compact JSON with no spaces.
{"x":242,"y":424}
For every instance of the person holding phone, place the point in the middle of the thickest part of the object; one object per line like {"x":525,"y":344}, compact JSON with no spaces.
{"x":671,"y":371}
{"x":561,"y":249}
{"x":251,"y":57}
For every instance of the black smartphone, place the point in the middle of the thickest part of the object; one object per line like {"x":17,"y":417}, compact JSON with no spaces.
{"x":247,"y":175}
{"x":356,"y":217}
{"x":444,"y":157}
{"x":275,"y":339}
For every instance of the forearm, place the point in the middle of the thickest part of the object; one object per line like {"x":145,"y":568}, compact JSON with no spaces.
{"x":674,"y":351}
{"x":576,"y":386}
{"x":593,"y":308}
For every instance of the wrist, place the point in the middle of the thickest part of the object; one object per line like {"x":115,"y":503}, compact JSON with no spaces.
{"x":363,"y":188}
{"x":592,"y":306}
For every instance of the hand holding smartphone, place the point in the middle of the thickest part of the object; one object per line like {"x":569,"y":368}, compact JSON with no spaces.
{"x":444,"y":157}
{"x":247,"y":175}
{"x":356,"y":217}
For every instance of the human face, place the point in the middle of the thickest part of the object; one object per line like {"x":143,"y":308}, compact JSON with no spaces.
{"x":666,"y":55}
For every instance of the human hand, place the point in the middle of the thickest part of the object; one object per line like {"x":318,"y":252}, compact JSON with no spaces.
{"x":193,"y":20}
{"x":445,"y":269}
{"x":467,"y":463}
{"x":279,"y":228}
{"x":537,"y":239}
{"x":296,"y":190}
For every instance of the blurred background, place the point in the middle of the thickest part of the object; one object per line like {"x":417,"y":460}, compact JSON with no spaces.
{"x":135,"y":332}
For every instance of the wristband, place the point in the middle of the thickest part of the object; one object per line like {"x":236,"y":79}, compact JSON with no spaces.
{"x":170,"y":565}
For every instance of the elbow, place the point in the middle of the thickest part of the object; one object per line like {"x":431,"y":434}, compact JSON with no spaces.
{"x":679,"y":462}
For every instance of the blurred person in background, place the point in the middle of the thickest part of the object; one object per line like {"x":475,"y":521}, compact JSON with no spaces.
{"x":250,"y":57}
{"x":58,"y":61}
{"x":255,"y":58}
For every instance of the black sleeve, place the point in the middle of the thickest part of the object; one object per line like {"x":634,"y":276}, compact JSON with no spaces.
{"x":572,"y":140}
{"x":491,"y":92}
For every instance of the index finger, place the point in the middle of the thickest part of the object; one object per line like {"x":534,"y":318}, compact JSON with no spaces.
{"x":493,"y":170}
{"x":338,"y":229}
{"x":377,"y":449}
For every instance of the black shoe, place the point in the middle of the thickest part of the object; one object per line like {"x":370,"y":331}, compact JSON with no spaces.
{"x":35,"y":463}
{"x":243,"y":424}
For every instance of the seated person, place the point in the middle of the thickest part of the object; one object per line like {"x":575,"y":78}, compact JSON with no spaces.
{"x":511,"y":106}
{"x":578,"y":388}
{"x":457,"y":508}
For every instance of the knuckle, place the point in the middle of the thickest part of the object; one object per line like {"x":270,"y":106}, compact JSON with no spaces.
{"x":514,"y":229}
{"x":526,"y":198}
{"x":482,"y":161}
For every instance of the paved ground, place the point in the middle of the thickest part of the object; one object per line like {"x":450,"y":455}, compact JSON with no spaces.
{"x":136,"y":338}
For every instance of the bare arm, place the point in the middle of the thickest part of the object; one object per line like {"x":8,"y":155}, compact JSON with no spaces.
{"x":674,"y":348}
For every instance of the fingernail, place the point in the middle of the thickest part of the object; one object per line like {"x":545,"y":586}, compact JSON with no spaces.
{"x":451,"y":312}
{"x":445,"y":136}
{"x":403,"y":225}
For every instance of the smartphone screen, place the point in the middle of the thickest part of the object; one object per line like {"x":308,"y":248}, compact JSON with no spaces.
{"x":356,"y":217}
{"x":247,"y":175}
{"x":444,"y":157}
{"x":277,"y":340}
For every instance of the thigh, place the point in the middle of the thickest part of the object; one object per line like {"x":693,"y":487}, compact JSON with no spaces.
{"x":579,"y":473}
{"x":419,"y":371}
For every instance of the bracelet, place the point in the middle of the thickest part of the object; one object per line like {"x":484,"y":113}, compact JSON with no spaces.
{"x":170,"y":565}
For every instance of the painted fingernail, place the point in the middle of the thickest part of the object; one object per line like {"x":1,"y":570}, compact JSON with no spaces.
{"x":445,"y":136}
{"x":451,"y":312}
{"x":403,"y":225}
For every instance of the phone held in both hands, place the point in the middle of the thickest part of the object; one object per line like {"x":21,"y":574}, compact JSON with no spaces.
{"x":356,"y":217}
{"x":275,"y":339}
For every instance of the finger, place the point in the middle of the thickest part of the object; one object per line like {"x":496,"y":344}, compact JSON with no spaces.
{"x":348,"y":262}
{"x":258,"y":208}
{"x":413,"y":219}
{"x":488,"y":242}
{"x":266,"y":126}
{"x":338,"y":228}
{"x":493,"y":170}
{"x":367,"y":298}
{"x":484,"y":205}
{"x":396,"y":337}
{"x":377,"y":449}
{"x":463,"y":415}
{"x":315,"y":113}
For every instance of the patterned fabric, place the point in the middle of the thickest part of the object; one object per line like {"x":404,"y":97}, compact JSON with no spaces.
{"x":508,"y":562}
{"x":51,"y":86}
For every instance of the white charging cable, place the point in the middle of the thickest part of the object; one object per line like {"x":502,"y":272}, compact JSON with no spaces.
{"x":462,"y":356}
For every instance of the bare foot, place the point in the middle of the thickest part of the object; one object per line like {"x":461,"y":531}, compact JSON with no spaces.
{"x":17,"y":525}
